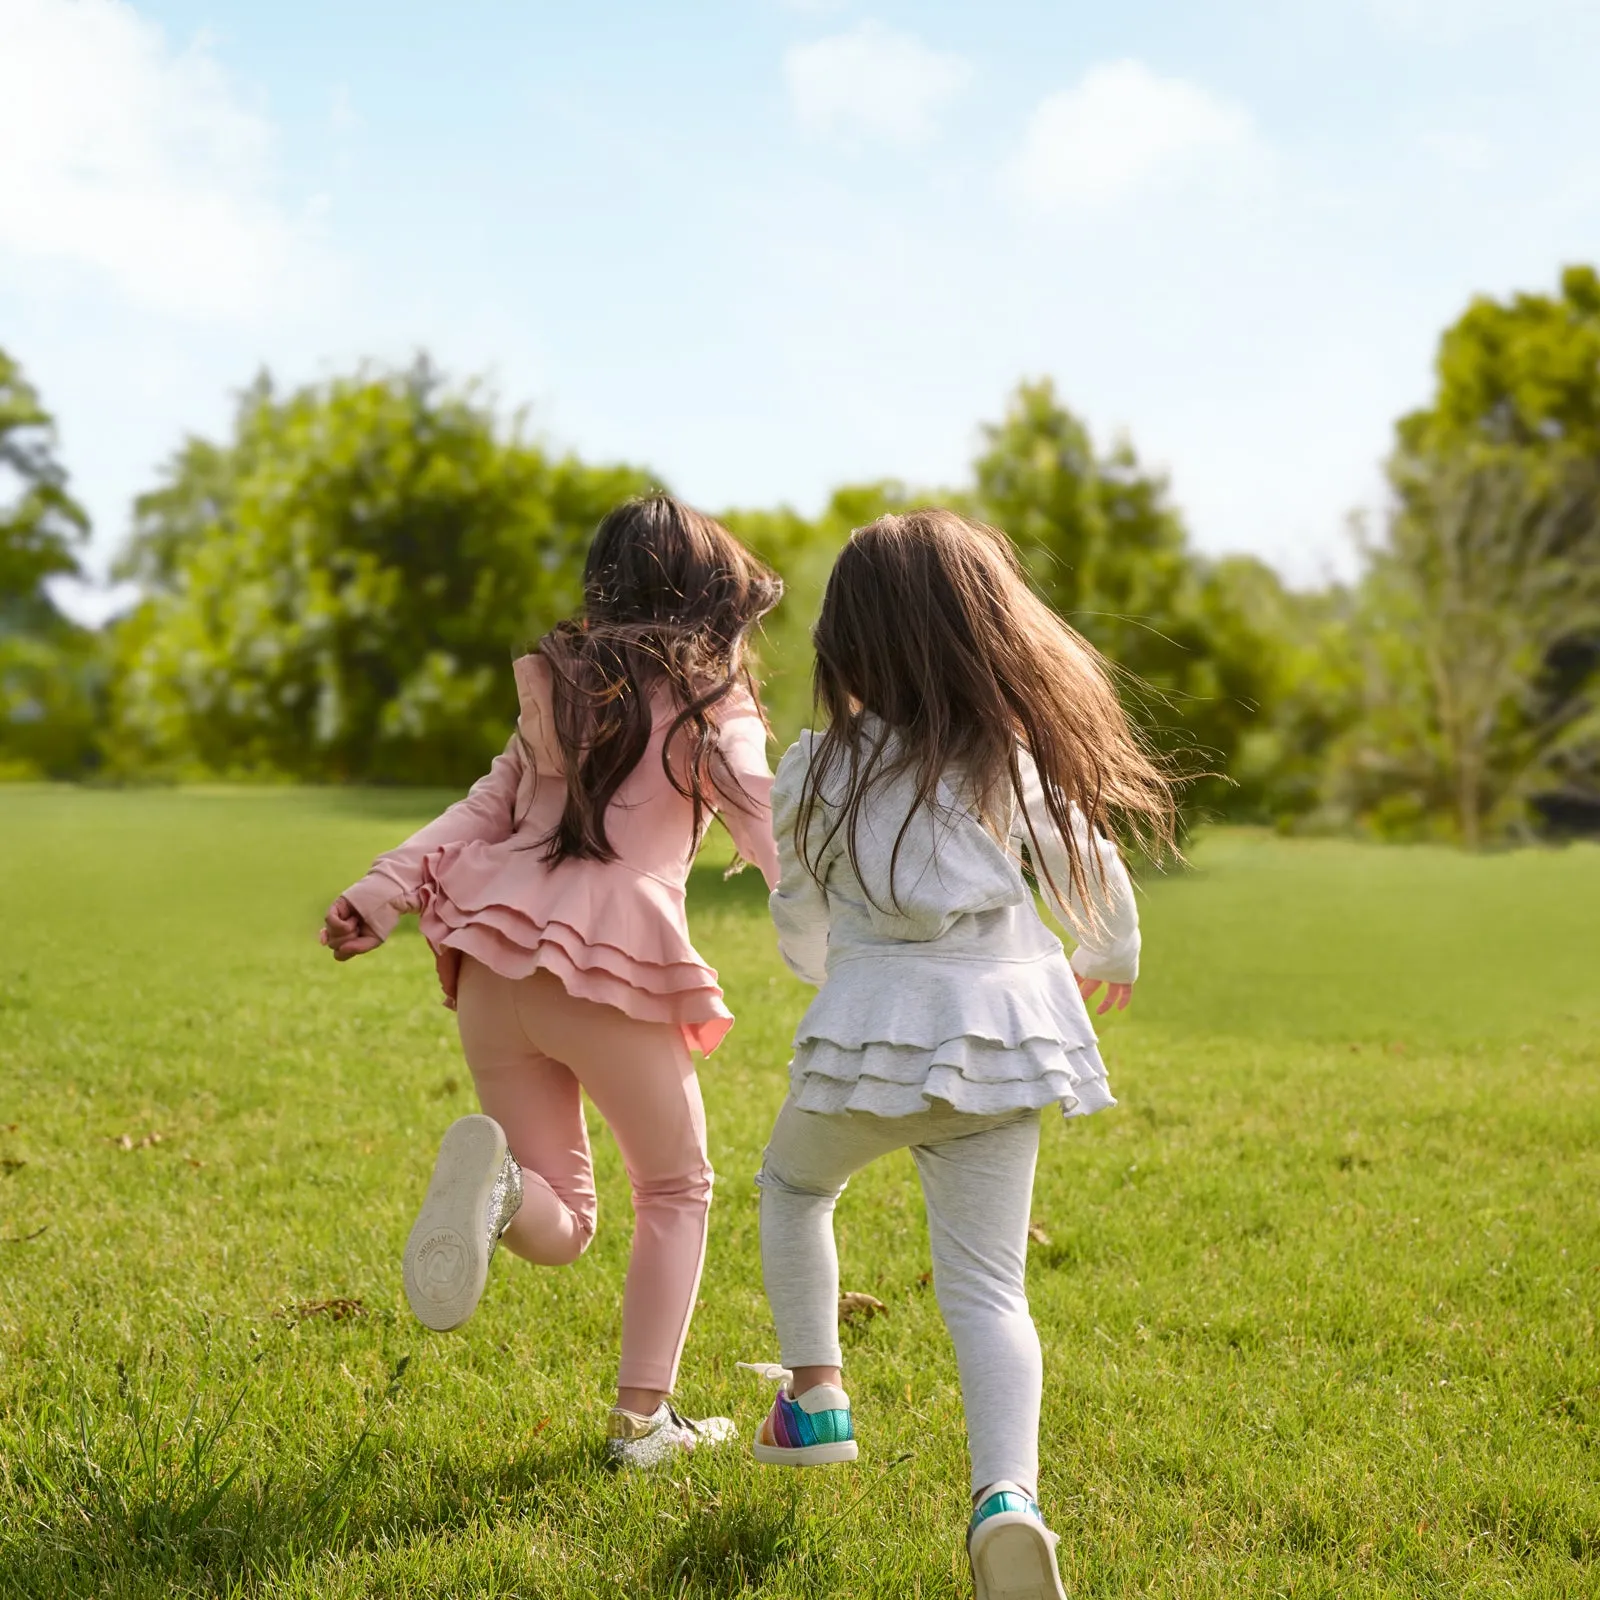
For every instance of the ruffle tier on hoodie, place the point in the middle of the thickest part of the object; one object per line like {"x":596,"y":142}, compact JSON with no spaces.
{"x":614,"y":931}
{"x":615,"y":936}
{"x":985,"y":1036}
{"x":938,"y":980}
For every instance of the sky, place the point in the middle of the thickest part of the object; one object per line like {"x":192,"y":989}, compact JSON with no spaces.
{"x":766,"y":247}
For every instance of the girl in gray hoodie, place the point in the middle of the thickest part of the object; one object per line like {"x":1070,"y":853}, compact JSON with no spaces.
{"x":974,"y":742}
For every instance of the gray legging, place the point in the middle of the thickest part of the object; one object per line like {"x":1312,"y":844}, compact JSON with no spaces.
{"x":977,"y":1183}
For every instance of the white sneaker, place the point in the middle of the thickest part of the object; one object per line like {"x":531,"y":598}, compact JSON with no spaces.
{"x":475,"y":1192}
{"x":1013,"y":1553}
{"x":645,"y":1442}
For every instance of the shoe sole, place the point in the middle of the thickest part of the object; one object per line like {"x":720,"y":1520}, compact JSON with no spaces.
{"x":1014,"y":1558}
{"x":805,"y":1455}
{"x":447,"y":1256}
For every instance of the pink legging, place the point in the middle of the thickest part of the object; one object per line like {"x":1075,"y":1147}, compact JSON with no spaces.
{"x":531,"y":1046}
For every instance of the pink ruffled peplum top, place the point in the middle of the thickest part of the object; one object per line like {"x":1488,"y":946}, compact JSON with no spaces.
{"x":614,"y":932}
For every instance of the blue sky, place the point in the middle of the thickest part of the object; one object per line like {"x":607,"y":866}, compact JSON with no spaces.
{"x":769,"y":247}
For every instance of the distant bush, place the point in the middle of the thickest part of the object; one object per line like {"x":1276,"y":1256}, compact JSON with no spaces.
{"x":335,"y":592}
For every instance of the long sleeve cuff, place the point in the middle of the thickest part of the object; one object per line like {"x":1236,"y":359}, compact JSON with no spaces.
{"x":802,"y":941}
{"x":379,"y":901}
{"x":1117,"y":963}
{"x":808,"y":965}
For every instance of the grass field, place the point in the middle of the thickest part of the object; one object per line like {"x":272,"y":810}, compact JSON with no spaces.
{"x":1318,"y":1299}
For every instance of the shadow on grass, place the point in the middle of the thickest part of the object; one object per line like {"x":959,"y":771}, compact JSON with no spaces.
{"x":144,"y":1499}
{"x":236,"y":1537}
{"x":157,"y":1492}
{"x":727,"y":1550}
{"x":724,"y":1550}
{"x":231,"y":1535}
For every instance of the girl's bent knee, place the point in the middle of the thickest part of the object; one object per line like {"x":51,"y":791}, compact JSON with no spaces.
{"x":980,"y":1295}
{"x":773,"y":1180}
{"x":548,"y":1231}
{"x":582,"y":1237}
{"x":540,"y":1250}
{"x":686,"y":1191}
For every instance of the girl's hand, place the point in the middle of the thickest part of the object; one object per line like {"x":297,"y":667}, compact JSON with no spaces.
{"x":344,"y":933}
{"x":1117,"y":994}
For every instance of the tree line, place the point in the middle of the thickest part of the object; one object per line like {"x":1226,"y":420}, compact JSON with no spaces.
{"x":332,"y":593}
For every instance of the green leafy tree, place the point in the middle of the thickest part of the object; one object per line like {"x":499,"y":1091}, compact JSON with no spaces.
{"x":333,"y":591}
{"x":1525,"y":373}
{"x":1480,"y":611}
{"x":1109,"y":551}
{"x":337,"y":592}
{"x":1485,"y":576}
{"x":49,"y":677}
{"x":1306,"y":687}
{"x":42,"y":527}
{"x":803,"y":550}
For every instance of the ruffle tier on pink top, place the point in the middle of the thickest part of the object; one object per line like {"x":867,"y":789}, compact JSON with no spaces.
{"x":618,"y":937}
{"x":615,"y":932}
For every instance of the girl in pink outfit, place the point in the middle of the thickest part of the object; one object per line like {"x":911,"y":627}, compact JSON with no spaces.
{"x":553,"y":899}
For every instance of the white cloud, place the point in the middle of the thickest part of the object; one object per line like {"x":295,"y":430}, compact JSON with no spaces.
{"x":1123,"y":129}
{"x":872,"y":81}
{"x":1452,"y":21}
{"x":140,"y":163}
{"x":342,"y":114}
{"x":1469,"y":152}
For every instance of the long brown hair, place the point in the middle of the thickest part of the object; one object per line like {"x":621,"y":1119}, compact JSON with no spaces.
{"x":670,"y":597}
{"x":929,"y":624}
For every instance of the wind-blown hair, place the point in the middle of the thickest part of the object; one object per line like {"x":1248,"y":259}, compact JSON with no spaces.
{"x":670,"y":597}
{"x":929,"y":624}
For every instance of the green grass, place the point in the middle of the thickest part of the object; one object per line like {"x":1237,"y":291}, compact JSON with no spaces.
{"x":1318,"y":1301}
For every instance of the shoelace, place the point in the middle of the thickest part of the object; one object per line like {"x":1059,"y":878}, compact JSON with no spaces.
{"x":769,"y":1371}
{"x":683,"y":1422}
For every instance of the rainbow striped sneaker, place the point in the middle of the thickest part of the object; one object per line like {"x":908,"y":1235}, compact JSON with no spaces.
{"x":812,"y":1431}
{"x":1013,"y":1554}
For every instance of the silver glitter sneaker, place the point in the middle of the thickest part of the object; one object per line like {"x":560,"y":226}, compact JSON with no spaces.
{"x":645,"y":1442}
{"x":475,"y":1192}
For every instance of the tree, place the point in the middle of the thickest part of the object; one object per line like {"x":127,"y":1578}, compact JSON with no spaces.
{"x":1305,"y":689}
{"x":803,"y":551}
{"x":1487,"y":572}
{"x":1481,"y":638}
{"x":337,"y":592}
{"x":1108,"y":550}
{"x":48,"y":668}
{"x":42,"y":529}
{"x":333,"y":591}
{"x":1525,"y":373}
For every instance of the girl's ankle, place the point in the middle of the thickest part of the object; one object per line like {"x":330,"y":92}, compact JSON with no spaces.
{"x":806,"y":1379}
{"x":1002,"y":1486}
{"x":641,"y":1402}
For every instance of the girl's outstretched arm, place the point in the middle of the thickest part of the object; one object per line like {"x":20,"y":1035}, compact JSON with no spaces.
{"x":745,"y":798}
{"x":799,"y":906}
{"x":390,"y":889}
{"x":1108,"y":931}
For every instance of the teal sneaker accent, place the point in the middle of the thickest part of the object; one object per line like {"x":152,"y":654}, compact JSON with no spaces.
{"x":1003,"y":1501}
{"x":828,"y":1427}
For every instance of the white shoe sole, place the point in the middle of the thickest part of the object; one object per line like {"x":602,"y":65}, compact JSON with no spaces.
{"x":805,"y":1455}
{"x":1014,"y":1558}
{"x":447,"y":1256}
